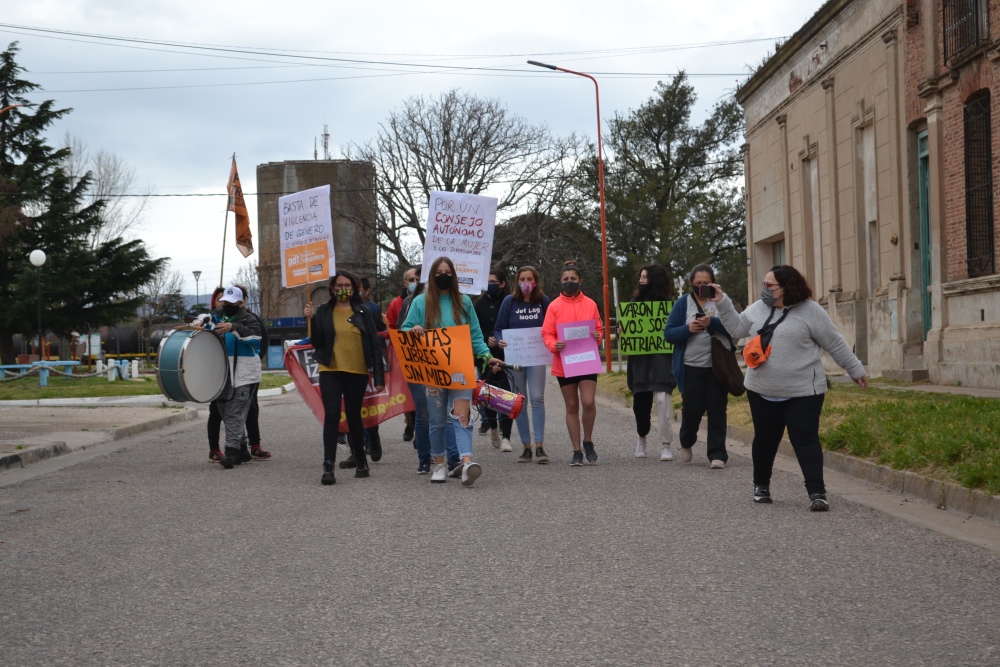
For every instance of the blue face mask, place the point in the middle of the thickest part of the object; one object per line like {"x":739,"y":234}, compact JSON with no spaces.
{"x":411,"y":287}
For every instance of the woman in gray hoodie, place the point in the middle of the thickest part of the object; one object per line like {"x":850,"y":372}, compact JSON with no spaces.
{"x":787,"y":388}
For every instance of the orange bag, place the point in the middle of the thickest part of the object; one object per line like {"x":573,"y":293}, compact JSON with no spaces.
{"x":755,"y":353}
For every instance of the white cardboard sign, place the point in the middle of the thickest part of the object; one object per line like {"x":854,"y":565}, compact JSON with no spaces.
{"x":460,"y":227}
{"x":525,"y":347}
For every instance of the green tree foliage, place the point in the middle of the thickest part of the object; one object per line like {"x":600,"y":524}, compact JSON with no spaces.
{"x":83,"y":286}
{"x":673,"y":189}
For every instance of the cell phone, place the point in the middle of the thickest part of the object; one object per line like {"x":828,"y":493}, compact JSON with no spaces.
{"x":698,"y":316}
{"x":704,"y":291}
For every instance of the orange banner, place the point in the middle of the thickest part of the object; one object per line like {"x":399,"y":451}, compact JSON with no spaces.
{"x":437,"y":357}
{"x":244,"y":239}
{"x":306,"y":264}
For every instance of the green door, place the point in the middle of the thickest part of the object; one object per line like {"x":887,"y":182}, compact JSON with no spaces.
{"x":924,"y":187}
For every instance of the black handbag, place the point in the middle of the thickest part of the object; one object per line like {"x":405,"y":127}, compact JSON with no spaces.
{"x":725,"y":367}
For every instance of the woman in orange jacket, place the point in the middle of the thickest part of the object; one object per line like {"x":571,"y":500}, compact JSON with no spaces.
{"x":573,"y":306}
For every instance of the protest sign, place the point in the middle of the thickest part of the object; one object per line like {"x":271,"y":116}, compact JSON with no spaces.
{"x":642,"y":324}
{"x":525,"y":347}
{"x":376,"y":407}
{"x":460,"y":227}
{"x":582,"y":354}
{"x":306,"y":237}
{"x":437,"y":357}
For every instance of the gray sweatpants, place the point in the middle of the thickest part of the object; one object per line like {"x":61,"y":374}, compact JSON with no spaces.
{"x":234,"y":415}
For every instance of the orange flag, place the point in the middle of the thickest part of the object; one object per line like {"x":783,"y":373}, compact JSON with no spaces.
{"x":244,"y":239}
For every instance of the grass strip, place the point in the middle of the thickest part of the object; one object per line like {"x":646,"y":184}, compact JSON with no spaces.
{"x":63,"y":387}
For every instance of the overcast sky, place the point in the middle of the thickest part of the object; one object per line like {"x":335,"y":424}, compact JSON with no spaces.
{"x":174,"y":113}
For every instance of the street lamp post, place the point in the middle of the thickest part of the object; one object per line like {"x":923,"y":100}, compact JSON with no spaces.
{"x":37,"y":257}
{"x":604,"y":231}
{"x":197,"y":289}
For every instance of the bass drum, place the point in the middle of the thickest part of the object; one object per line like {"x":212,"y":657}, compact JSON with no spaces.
{"x":192,"y":366}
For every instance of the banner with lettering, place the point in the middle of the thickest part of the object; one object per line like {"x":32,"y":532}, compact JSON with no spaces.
{"x":237,"y":204}
{"x":306,"y":237}
{"x":460,"y":227}
{"x":642,"y":324}
{"x":582,"y":354}
{"x":437,"y":357}
{"x":377,"y":406}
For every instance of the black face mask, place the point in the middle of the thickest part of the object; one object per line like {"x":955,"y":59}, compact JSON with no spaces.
{"x":443,"y":281}
{"x":230,"y":309}
{"x":569,"y":288}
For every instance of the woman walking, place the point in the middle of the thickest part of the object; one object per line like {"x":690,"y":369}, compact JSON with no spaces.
{"x":487,"y":309}
{"x":525,"y":309}
{"x":441,"y":305}
{"x":690,"y":327}
{"x":346,"y":346}
{"x":785,"y":380}
{"x":649,"y":376}
{"x":580,"y":390}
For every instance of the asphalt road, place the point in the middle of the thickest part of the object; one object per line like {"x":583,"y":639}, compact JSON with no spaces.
{"x":146,"y":554}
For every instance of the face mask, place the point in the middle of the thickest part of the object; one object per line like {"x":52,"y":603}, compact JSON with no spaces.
{"x":230,"y":309}
{"x":642,"y":289}
{"x":570,"y":289}
{"x":526,"y":288}
{"x":443,"y":281}
{"x":493,"y":290}
{"x":343,"y":294}
{"x":411,"y":287}
{"x":767,"y":296}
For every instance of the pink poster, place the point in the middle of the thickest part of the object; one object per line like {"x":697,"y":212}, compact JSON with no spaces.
{"x":582,"y":355}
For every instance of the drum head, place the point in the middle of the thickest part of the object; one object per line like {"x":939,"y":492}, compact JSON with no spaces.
{"x":204,"y":365}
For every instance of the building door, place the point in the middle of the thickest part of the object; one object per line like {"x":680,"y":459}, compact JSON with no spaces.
{"x":924,"y":188}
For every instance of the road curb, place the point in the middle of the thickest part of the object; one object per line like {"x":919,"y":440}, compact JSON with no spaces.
{"x":944,"y":495}
{"x":25,"y":457}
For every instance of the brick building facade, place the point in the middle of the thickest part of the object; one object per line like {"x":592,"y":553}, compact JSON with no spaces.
{"x":872,"y":163}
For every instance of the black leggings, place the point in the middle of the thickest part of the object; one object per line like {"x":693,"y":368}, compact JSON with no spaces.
{"x":334,"y":385}
{"x":801,"y":416}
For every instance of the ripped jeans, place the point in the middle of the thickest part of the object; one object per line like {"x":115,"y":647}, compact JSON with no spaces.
{"x":440,"y":405}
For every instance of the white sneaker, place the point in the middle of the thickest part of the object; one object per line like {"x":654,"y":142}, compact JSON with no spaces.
{"x":717,"y":464}
{"x":495,"y":437}
{"x":665,"y":453}
{"x":470,"y":473}
{"x":505,"y":445}
{"x":439,"y":473}
{"x":640,"y":448}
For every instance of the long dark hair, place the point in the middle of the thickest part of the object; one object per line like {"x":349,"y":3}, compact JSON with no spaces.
{"x":501,"y":275}
{"x":355,"y":288}
{"x":794,"y":285}
{"x":432,"y":300}
{"x":657,"y":284}
{"x":535,"y":296}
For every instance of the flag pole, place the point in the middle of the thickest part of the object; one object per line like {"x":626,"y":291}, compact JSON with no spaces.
{"x":225,"y":224}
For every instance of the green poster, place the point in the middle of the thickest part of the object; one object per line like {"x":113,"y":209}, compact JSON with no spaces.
{"x":642,"y":324}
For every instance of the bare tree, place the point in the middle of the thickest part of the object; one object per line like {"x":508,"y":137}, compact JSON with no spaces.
{"x":456,"y":142}
{"x":248,"y":276}
{"x":162,"y":301}
{"x":112,"y":180}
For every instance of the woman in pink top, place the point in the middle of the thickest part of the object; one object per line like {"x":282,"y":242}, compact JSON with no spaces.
{"x":573,"y":306}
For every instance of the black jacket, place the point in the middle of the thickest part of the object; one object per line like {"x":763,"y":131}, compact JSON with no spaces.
{"x":487,"y":309}
{"x":323,"y":335}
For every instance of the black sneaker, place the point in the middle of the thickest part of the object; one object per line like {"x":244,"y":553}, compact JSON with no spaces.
{"x":541,"y":456}
{"x":455,"y":470}
{"x":588,"y":447}
{"x":230,"y":458}
{"x":245,"y":456}
{"x":577,"y":459}
{"x":484,"y":427}
{"x":761,"y":494}
{"x":525,"y":456}
{"x":423,"y":469}
{"x":818,"y":502}
{"x":349,"y":462}
{"x":408,"y":434}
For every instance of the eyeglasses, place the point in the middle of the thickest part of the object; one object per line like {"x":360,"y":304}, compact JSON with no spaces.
{"x":771,"y":286}
{"x":413,"y":280}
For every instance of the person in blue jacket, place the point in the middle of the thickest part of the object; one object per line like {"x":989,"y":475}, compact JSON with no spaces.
{"x":691,"y":325}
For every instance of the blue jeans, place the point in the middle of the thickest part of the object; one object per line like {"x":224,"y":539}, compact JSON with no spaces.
{"x":421,"y":428}
{"x":531,"y":383}
{"x":443,"y":423}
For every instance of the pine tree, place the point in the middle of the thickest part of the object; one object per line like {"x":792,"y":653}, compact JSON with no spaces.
{"x":41,"y":207}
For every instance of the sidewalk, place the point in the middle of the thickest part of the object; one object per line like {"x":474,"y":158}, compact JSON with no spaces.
{"x":36,"y":430}
{"x":944,"y":495}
